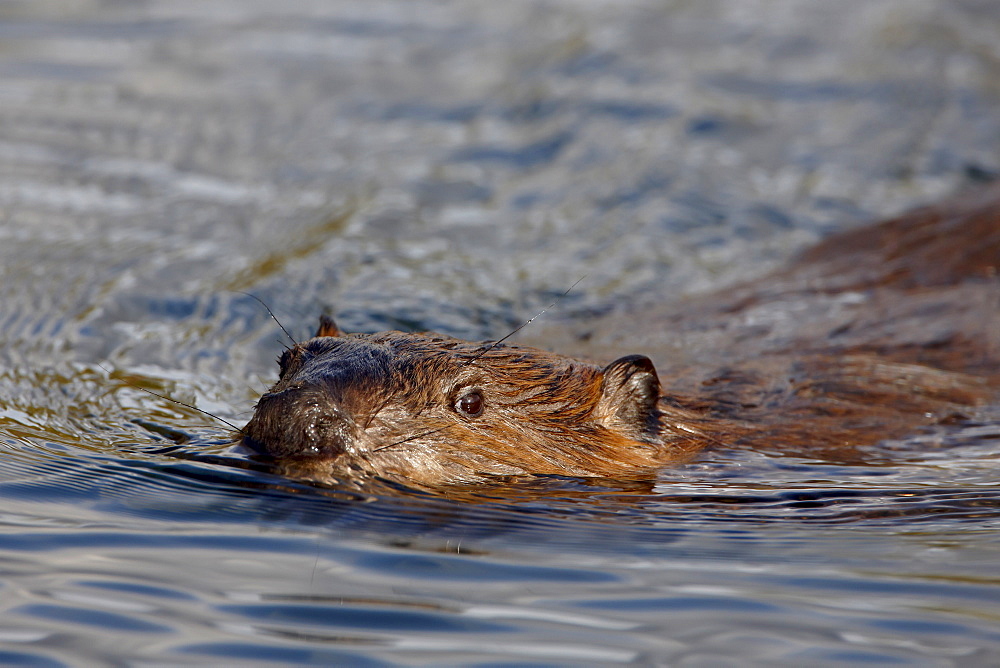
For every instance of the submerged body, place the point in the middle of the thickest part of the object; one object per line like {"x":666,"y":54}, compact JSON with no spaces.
{"x":868,"y":336}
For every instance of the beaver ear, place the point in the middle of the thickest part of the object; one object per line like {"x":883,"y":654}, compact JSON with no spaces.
{"x":327,"y":327}
{"x":630,"y":392}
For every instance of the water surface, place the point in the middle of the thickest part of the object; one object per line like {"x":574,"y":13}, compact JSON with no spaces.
{"x":454,"y":166}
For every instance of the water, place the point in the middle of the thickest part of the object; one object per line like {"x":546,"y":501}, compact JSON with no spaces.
{"x":454,"y":166}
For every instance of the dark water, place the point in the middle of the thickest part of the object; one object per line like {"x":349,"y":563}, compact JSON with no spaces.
{"x":453,"y":166}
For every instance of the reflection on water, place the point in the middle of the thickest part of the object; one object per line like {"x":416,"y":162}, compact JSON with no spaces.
{"x":456,"y":166}
{"x":796,"y":561}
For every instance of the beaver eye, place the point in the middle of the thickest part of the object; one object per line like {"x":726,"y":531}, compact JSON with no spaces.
{"x":470,"y":404}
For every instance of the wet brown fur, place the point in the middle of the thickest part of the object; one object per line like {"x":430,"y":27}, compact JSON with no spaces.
{"x":544,"y":413}
{"x":868,"y":336}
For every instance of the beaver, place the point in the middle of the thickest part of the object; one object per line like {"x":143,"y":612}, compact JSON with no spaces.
{"x":430,"y":409}
{"x":870,"y":335}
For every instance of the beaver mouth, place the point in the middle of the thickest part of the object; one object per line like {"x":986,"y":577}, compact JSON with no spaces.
{"x":267,"y":450}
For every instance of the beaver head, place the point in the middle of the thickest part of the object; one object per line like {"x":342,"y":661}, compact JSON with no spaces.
{"x":424,"y":408}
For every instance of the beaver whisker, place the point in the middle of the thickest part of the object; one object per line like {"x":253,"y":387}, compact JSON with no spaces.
{"x":412,"y":438}
{"x":172,"y":400}
{"x":524,"y":324}
{"x":378,"y":410}
{"x":270,"y":313}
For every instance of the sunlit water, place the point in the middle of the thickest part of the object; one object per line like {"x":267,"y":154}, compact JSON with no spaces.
{"x":453,"y":166}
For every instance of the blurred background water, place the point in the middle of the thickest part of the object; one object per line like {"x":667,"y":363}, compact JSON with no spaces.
{"x":453,"y":166}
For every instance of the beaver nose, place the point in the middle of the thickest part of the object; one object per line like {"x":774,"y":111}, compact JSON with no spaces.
{"x":293,"y":423}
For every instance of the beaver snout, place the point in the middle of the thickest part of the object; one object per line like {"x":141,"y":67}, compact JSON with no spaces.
{"x":298,"y":422}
